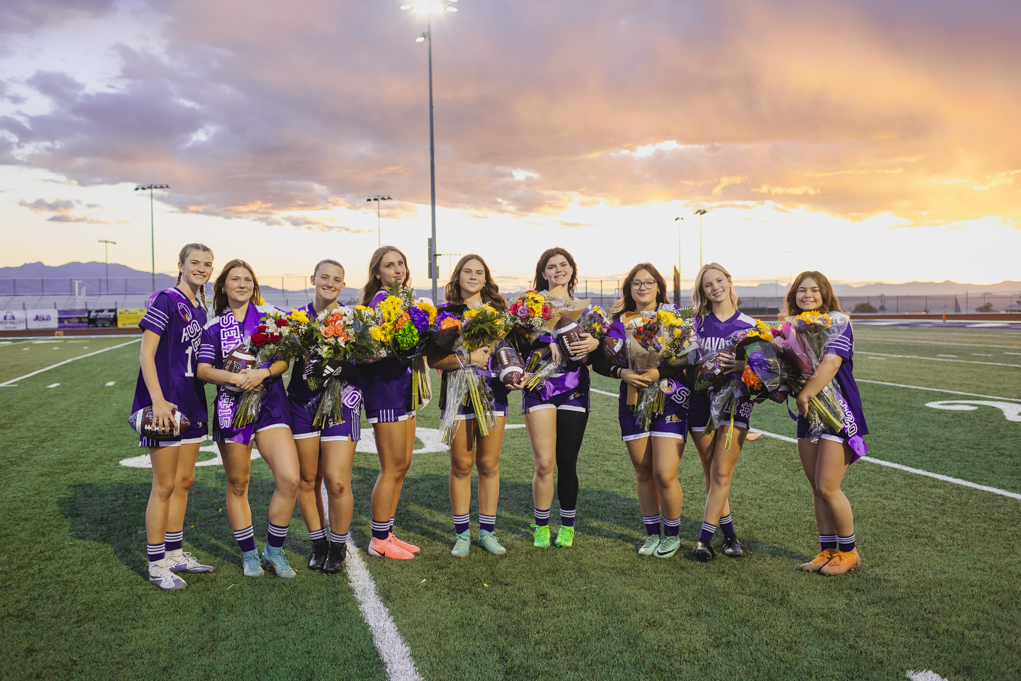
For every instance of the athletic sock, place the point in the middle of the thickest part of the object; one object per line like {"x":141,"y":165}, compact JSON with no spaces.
{"x":316,"y":535}
{"x":157,"y":552}
{"x":174,"y":541}
{"x":651,"y":524}
{"x":828,"y":541}
{"x":541,"y":517}
{"x":390,"y":527}
{"x":672,"y":526}
{"x":487,"y":523}
{"x":245,"y":538}
{"x":337,"y":538}
{"x":567,"y":517}
{"x":727,"y":526}
{"x":846,"y":543}
{"x":461,"y":523}
{"x":380,"y":530}
{"x":349,"y":538}
{"x":276,"y":535}
{"x":706,"y":535}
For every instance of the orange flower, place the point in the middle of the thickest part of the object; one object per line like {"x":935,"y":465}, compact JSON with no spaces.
{"x":333,"y":318}
{"x":328,"y":332}
{"x":342,"y":336}
{"x":751,"y":379}
{"x":404,"y":318}
{"x":450,"y":323}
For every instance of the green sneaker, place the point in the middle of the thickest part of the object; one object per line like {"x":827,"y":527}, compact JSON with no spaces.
{"x":274,"y":561}
{"x":668,"y":547}
{"x":250,"y":560}
{"x":461,"y":546}
{"x":540,"y":539}
{"x":649,"y":547}
{"x":565,"y":537}
{"x":488,"y":541}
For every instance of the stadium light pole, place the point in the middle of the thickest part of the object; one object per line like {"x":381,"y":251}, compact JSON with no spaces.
{"x":377,"y":198}
{"x":430,"y":7}
{"x":678,"y":255}
{"x":700,"y":212}
{"x":106,"y":251}
{"x":152,"y":223}
{"x":790,"y":267}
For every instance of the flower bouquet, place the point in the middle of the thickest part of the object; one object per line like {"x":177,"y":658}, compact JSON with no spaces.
{"x":656,"y":338}
{"x":806,"y":337}
{"x":594,"y":322}
{"x":404,"y":326}
{"x":444,"y":332}
{"x":270,"y":341}
{"x":754,"y":346}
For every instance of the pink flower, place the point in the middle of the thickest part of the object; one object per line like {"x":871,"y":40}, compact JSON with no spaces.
{"x":522,"y":312}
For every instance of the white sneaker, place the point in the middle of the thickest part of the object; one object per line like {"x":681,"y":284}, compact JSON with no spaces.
{"x":182,"y":561}
{"x":161,"y":576}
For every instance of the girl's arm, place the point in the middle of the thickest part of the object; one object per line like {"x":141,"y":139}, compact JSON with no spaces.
{"x":823,"y":375}
{"x":207,"y":373}
{"x":449,"y":362}
{"x":162,"y":416}
{"x":585,"y":346}
{"x":253,"y":379}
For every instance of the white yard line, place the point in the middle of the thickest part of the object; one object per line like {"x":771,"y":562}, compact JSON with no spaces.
{"x":884,"y":339}
{"x":939,"y":359}
{"x":603,"y":392}
{"x":52,"y":385}
{"x":11,"y":383}
{"x":937,"y":390}
{"x":109,"y":383}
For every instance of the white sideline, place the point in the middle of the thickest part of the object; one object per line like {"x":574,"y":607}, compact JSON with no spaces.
{"x":937,"y":390}
{"x":939,"y":359}
{"x":924,"y":675}
{"x":392,"y":649}
{"x":11,"y":383}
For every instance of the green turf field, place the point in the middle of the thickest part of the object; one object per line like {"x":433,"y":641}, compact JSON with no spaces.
{"x":938,"y":589}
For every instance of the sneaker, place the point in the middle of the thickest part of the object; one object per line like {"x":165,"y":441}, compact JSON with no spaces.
{"x":182,"y":561}
{"x":489,"y":542}
{"x":320,"y":547}
{"x":844,"y":561}
{"x":274,"y":561}
{"x":565,"y":537}
{"x":386,"y":548}
{"x":732,"y":547}
{"x":410,"y":548}
{"x":820,"y":559}
{"x":540,"y":537}
{"x":668,"y":547}
{"x":161,"y":575}
{"x":703,"y":551}
{"x":334,"y":558}
{"x":250,"y":559}
{"x":461,"y":546}
{"x":649,"y":547}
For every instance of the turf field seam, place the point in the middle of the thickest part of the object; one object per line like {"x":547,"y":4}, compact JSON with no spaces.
{"x":939,"y":359}
{"x":937,"y":390}
{"x":66,"y":361}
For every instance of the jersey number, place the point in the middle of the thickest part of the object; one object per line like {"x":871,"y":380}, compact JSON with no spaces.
{"x":188,"y":372}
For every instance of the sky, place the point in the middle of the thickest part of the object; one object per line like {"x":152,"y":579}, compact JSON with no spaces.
{"x":873,"y":141}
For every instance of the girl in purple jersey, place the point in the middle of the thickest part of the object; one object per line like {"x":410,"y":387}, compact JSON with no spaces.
{"x":655,"y":451}
{"x":327,"y":452}
{"x":556,"y":412}
{"x":716,"y":321}
{"x":471,"y":282}
{"x":388,"y":408}
{"x":171,"y":336}
{"x":826,"y":461}
{"x":237,"y":316}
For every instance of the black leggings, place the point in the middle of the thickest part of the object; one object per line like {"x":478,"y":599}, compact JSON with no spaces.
{"x":570,"y":431}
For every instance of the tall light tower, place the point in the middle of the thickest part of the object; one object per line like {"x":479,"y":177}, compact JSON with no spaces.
{"x":377,"y":198}
{"x":428,"y":8}
{"x":678,"y":258}
{"x":152,"y":223}
{"x":790,"y":266}
{"x":700,"y":212}
{"x":106,"y":250}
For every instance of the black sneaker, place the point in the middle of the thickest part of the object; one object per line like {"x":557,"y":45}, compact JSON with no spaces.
{"x":732,"y":547}
{"x":320,"y":547}
{"x":335,"y":559}
{"x":703,"y":551}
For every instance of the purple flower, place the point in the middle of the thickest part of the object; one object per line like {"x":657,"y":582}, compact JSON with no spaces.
{"x":419,"y":318}
{"x":440,"y":317}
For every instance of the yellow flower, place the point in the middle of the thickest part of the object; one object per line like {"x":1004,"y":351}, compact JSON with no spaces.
{"x":427,"y":307}
{"x":667,"y":318}
{"x":391,"y":310}
{"x":380,"y":334}
{"x":299,"y":316}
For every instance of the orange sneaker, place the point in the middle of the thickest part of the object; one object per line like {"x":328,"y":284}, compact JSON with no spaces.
{"x":821,"y":559}
{"x":384,"y":548}
{"x":844,"y":561}
{"x":410,"y":548}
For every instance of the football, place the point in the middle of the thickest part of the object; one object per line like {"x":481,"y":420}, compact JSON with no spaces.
{"x":235,"y":361}
{"x":142,"y":423}
{"x":615,"y":351}
{"x":568,"y":331}
{"x":509,"y":366}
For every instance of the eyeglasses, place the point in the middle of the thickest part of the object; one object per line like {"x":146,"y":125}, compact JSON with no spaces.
{"x":639,"y":285}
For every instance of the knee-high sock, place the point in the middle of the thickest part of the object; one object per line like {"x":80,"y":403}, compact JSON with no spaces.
{"x":570,"y":431}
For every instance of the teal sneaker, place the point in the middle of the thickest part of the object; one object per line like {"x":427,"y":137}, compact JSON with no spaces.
{"x":650,"y":545}
{"x":540,"y":539}
{"x":668,"y":547}
{"x":488,"y":541}
{"x":461,"y":546}
{"x":565,"y":537}
{"x":274,"y":561}
{"x":250,"y":560}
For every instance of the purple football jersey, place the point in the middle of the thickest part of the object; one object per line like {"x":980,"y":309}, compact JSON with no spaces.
{"x":171,"y":315}
{"x":843,"y":346}
{"x":714,"y":334}
{"x":575,"y":376}
{"x":387,"y":383}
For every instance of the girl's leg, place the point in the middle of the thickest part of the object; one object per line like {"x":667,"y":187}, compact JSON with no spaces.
{"x":717,"y":506}
{"x":276,"y":445}
{"x":832,"y":461}
{"x":570,"y":432}
{"x":705,"y":446}
{"x":462,"y":460}
{"x":164,"y":473}
{"x":487,"y":460}
{"x":542,"y":433}
{"x":666,"y":459}
{"x":337,"y":461}
{"x":392,"y":445}
{"x":237,"y":466}
{"x":178,"y":505}
{"x":308,"y":491}
{"x":640,"y":452}
{"x":808,"y":452}
{"x":409,"y":448}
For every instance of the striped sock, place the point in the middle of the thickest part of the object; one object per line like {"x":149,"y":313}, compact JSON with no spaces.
{"x":567,"y":517}
{"x":337,"y":538}
{"x":380,"y":530}
{"x":846,"y":543}
{"x":672,"y":526}
{"x":727,"y":526}
{"x":316,"y":535}
{"x":487,"y":523}
{"x":174,"y":541}
{"x":157,"y":552}
{"x":541,"y":517}
{"x":651,"y":524}
{"x":390,"y":527}
{"x":245,"y":538}
{"x":461,"y":523}
{"x":828,"y":541}
{"x":349,"y":538}
{"x":706,"y":535}
{"x":276,"y":535}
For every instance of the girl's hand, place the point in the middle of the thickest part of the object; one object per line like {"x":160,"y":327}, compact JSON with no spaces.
{"x":480,"y":357}
{"x":162,"y":416}
{"x":583,"y":347}
{"x":555,"y":353}
{"x":730,"y":363}
{"x":802,"y":401}
{"x":651,"y":375}
{"x":634,"y":379}
{"x":520,"y":385}
{"x":251,"y":379}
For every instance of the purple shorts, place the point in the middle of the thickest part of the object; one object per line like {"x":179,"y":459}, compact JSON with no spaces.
{"x":301,"y":424}
{"x":571,"y":400}
{"x":196,"y":432}
{"x":275,"y":413}
{"x":698,"y":416}
{"x":465,"y":410}
{"x":672,"y":423}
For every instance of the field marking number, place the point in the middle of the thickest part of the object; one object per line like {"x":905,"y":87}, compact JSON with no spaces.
{"x":1011,"y":411}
